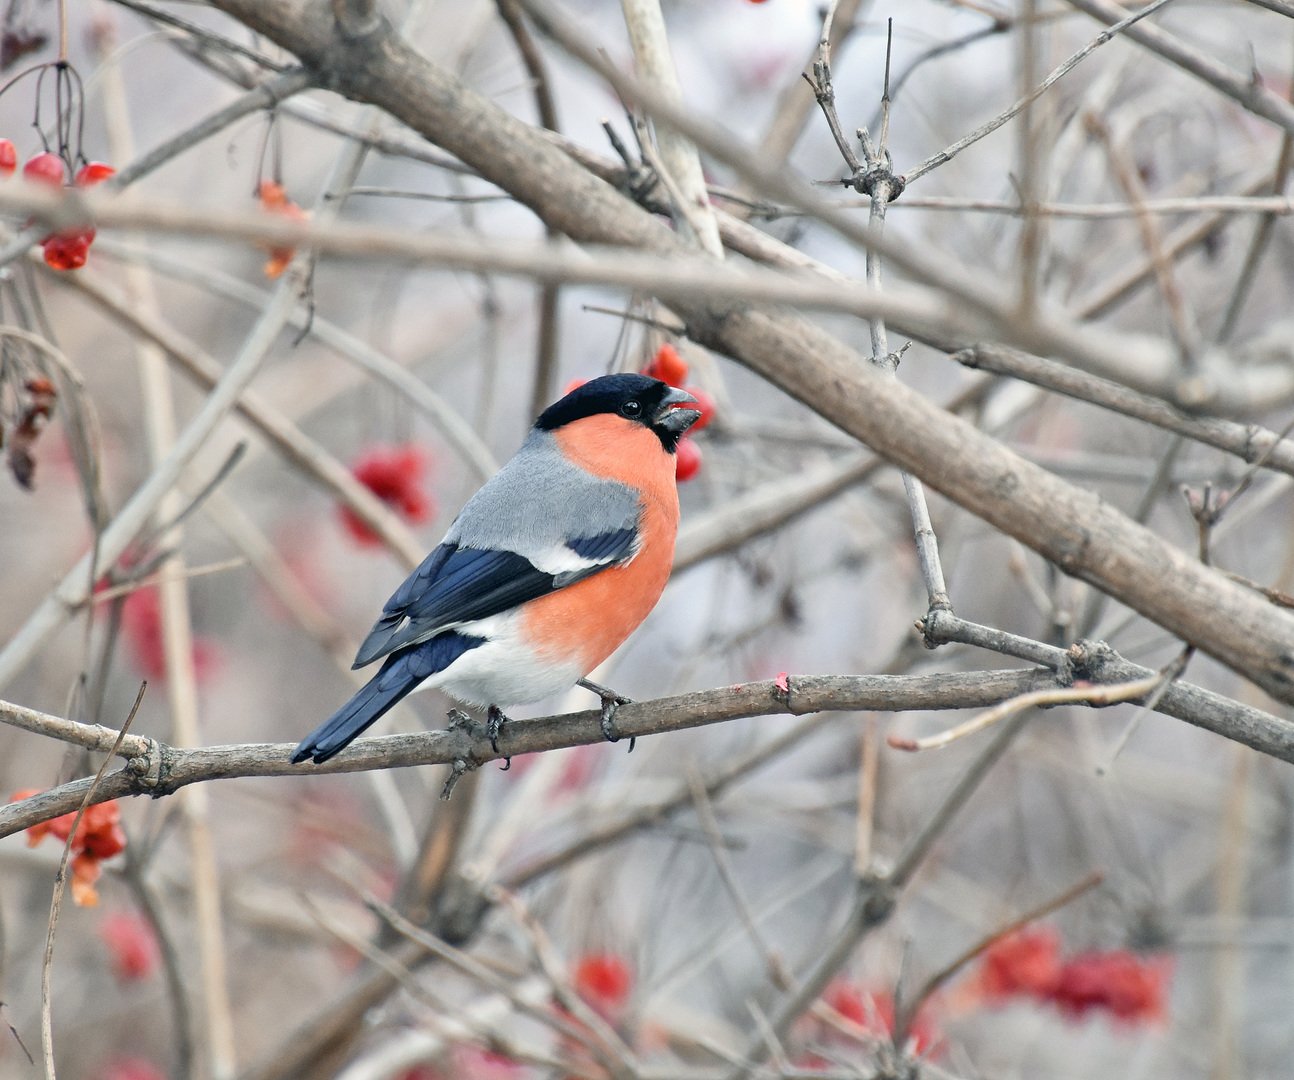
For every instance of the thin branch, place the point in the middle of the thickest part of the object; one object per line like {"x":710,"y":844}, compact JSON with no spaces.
{"x":950,"y":152}
{"x":88,"y":799}
{"x":1086,"y":695}
{"x":1145,"y":363}
{"x":1248,"y":92}
{"x":1250,"y":442}
{"x":162,"y":769}
{"x":903,"y":1022}
{"x":679,"y":157}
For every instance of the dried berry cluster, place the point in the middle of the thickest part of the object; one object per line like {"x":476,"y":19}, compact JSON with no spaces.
{"x":98,"y":837}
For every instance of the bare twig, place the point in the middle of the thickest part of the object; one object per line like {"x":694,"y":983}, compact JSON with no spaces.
{"x":950,"y":152}
{"x":646,"y":26}
{"x":1088,"y":695}
{"x":1252,"y":443}
{"x":1248,"y":92}
{"x":88,"y":799}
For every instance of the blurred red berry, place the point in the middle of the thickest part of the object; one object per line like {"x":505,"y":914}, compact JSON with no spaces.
{"x":1130,"y":988}
{"x":1026,"y":962}
{"x":580,"y":764}
{"x":687,"y":460}
{"x":705,"y":403}
{"x":129,"y":1068}
{"x":93,"y":172}
{"x":667,"y":366}
{"x":873,"y":1011}
{"x":45,"y":168}
{"x":603,"y":980}
{"x":141,"y":626}
{"x":8,"y":157}
{"x":847,"y":999}
{"x":394,"y":474}
{"x":132,"y":944}
{"x":574,"y":384}
{"x":274,"y":199}
{"x":421,"y":1072}
{"x":477,"y":1063}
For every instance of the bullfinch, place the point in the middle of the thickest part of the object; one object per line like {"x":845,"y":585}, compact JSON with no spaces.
{"x":546,"y":569}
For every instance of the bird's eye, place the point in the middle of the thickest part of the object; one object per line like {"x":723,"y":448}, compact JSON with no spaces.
{"x":632,"y":409}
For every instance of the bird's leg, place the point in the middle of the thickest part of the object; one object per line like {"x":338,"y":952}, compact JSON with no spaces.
{"x":494,"y":719}
{"x":493,"y":723}
{"x":610,"y":701}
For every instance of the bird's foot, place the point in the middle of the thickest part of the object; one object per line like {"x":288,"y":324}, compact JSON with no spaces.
{"x":610,"y":702}
{"x":461,"y":721}
{"x":494,"y":720}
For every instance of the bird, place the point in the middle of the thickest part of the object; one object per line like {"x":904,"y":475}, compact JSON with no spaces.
{"x":547,"y":569}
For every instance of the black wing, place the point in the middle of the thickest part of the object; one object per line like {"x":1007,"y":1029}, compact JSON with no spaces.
{"x":456,"y":585}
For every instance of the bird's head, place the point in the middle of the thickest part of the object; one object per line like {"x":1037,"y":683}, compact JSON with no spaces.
{"x":634,"y":399}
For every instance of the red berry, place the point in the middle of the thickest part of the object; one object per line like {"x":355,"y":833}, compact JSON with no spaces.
{"x":604,"y":981}
{"x":574,"y":384}
{"x":129,"y":1068}
{"x":1131,"y":988}
{"x":67,"y":251}
{"x":687,"y":460}
{"x":8,"y":157}
{"x":132,"y":944}
{"x":705,"y":403}
{"x":848,"y":1000}
{"x":1026,"y":963}
{"x":667,"y":366}
{"x":93,"y":172}
{"x":395,"y":475}
{"x":45,"y":168}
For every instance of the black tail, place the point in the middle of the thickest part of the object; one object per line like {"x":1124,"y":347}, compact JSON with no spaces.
{"x":378,"y":696}
{"x":396,"y":678}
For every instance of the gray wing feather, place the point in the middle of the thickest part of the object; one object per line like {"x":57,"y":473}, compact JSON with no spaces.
{"x":539,"y":500}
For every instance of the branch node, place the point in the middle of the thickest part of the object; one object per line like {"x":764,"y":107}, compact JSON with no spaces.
{"x":866,"y":182}
{"x":1084,"y":660}
{"x":879,"y":899}
{"x":147,"y":767}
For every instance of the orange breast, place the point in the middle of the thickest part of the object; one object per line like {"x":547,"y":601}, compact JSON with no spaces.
{"x":592,"y":617}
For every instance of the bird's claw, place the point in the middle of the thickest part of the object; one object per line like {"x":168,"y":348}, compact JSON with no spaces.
{"x":610,"y":702}
{"x":494,"y":720}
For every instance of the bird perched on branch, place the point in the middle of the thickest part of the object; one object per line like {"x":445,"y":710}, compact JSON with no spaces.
{"x":545,"y":571}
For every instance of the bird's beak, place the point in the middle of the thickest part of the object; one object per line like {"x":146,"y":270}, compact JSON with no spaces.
{"x":672,"y":416}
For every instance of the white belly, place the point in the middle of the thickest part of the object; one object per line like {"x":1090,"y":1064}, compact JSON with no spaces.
{"x":503,"y":671}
